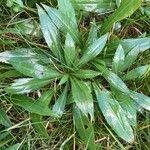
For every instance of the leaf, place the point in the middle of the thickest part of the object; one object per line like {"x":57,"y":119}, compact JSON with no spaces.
{"x":62,"y":21}
{"x":113,"y":79}
{"x":84,"y":128}
{"x":46,"y":97}
{"x":64,"y":79}
{"x":92,"y":37}
{"x":33,"y":106}
{"x":82,"y":96}
{"x":141,"y":99}
{"x":118,"y":60}
{"x":142,"y":44}
{"x":93,"y":50}
{"x":136,"y":73}
{"x":126,"y":9}
{"x":23,"y":54}
{"x":68,"y":15}
{"x":69,"y":51}
{"x":86,"y":74}
{"x":130,"y":58}
{"x":4,"y":119}
{"x":38,"y":125}
{"x":59,"y":106}
{"x":25,"y":62}
{"x":114,"y":115}
{"x":14,"y":147}
{"x":50,"y":32}
{"x":129,"y":107}
{"x":10,"y":74}
{"x":26,"y":85}
{"x":96,"y":6}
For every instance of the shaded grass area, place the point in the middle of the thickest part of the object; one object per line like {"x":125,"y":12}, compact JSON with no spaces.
{"x":62,"y":132}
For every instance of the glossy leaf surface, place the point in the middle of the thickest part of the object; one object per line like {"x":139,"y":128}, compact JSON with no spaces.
{"x":26,"y":85}
{"x":93,"y":50}
{"x":126,"y":9}
{"x":82,"y":96}
{"x":114,"y":114}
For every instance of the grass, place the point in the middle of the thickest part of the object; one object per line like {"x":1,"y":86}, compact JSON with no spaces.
{"x":63,"y":134}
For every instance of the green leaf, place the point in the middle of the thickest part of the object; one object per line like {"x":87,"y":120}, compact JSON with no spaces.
{"x":25,"y":62}
{"x":130,"y":58}
{"x":86,"y":74}
{"x":61,"y":19}
{"x":38,"y":125}
{"x":4,"y":119}
{"x":33,"y":106}
{"x":69,"y":51}
{"x":14,"y":147}
{"x":10,"y":74}
{"x":46,"y":97}
{"x":64,"y":79}
{"x":142,"y":44}
{"x":23,"y":54}
{"x":84,"y":128}
{"x":141,"y":99}
{"x":114,"y":115}
{"x":113,"y":79}
{"x":126,"y":9}
{"x":50,"y":32}
{"x":68,"y":15}
{"x":92,"y":37}
{"x":118,"y":60}
{"x":93,"y":50}
{"x":26,"y":85}
{"x":82,"y":96}
{"x":136,"y":73}
{"x":129,"y":107}
{"x":60,"y":103}
{"x":96,"y":6}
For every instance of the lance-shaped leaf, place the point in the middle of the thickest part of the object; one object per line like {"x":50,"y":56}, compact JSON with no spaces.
{"x":142,"y":44}
{"x":113,"y":79}
{"x":38,"y":125}
{"x":141,"y":99}
{"x":126,"y":9}
{"x":130,"y":58}
{"x":84,"y":128}
{"x":50,"y":32}
{"x":69,"y":51}
{"x":93,"y":50}
{"x":33,"y":106}
{"x":16,"y":55}
{"x":4,"y":119}
{"x":60,"y":18}
{"x":118,"y":60}
{"x":60,"y":103}
{"x":86,"y":74}
{"x":64,"y":79}
{"x":26,"y":62}
{"x":97,"y":6}
{"x":128,"y":106}
{"x":82,"y":97}
{"x":136,"y":73}
{"x":92,"y":37}
{"x":26,"y":85}
{"x":68,"y":14}
{"x":114,"y":114}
